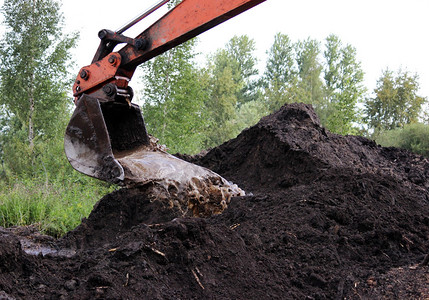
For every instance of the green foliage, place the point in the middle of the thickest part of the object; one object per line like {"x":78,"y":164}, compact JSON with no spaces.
{"x":240,"y":58}
{"x":174,"y":98}
{"x":343,"y":87}
{"x":37,"y":184}
{"x":220,"y":106}
{"x":56,"y":207}
{"x":280,"y":76}
{"x":189,"y":108}
{"x":425,"y":113}
{"x":296,"y":73}
{"x":34,"y":55}
{"x":310,"y":85}
{"x":224,"y":94}
{"x":247,"y":115}
{"x":44,"y":160}
{"x":293,"y":73}
{"x":413,"y":137}
{"x":231,"y":85}
{"x":35,"y":59}
{"x":395,"y":103}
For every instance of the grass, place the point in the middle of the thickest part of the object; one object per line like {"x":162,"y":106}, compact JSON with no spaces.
{"x":55,"y":207}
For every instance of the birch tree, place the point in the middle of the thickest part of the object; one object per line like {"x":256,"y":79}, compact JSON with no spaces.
{"x":35,"y":57}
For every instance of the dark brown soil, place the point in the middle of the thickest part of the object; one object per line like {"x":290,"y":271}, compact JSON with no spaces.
{"x":326,"y":217}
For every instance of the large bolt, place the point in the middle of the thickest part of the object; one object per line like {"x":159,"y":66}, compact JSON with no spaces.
{"x":102,"y":34}
{"x":84,"y":74}
{"x":141,"y":44}
{"x":112,"y":59}
{"x":109,"y":89}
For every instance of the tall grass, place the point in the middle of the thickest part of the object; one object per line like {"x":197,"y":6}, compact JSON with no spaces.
{"x":55,"y":207}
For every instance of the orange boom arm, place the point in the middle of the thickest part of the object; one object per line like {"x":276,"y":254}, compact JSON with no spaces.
{"x":185,"y":21}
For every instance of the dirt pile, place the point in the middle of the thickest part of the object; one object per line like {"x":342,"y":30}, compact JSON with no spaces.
{"x":290,"y":148}
{"x":325,"y":217}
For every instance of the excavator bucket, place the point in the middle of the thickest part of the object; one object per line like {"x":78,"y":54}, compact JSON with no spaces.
{"x":108,"y":141}
{"x":99,"y":129}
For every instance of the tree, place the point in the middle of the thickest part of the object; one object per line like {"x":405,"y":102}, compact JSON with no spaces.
{"x":310,"y":85}
{"x":232,"y":83}
{"x":174,"y":95}
{"x":239,"y":56}
{"x":247,"y":115}
{"x":222,"y":100}
{"x":280,"y":76}
{"x":174,"y":98}
{"x":35,"y":56}
{"x":344,"y":88}
{"x":395,"y":102}
{"x":332,"y":55}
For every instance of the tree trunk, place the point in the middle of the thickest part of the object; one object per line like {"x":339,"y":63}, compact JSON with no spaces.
{"x":31,"y":96}
{"x":30,"y":122}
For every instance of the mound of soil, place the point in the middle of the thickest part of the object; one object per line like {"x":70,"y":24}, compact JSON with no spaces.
{"x":325,"y":217}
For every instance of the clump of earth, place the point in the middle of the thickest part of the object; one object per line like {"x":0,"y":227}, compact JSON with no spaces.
{"x":324,"y":217}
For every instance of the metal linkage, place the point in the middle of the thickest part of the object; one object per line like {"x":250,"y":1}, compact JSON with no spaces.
{"x":142,"y":16}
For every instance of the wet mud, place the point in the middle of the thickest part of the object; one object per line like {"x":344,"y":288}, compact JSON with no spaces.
{"x":194,"y":190}
{"x":324,"y":217}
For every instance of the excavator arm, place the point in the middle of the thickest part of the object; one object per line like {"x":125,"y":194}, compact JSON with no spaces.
{"x":187,"y":20}
{"x":105,"y":123}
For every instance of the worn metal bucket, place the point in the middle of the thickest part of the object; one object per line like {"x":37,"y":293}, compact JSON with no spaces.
{"x":99,"y":129}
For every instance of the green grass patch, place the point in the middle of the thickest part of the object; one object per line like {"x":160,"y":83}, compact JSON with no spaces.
{"x":56,"y":207}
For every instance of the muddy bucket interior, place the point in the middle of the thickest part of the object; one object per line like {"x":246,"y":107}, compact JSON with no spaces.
{"x":99,"y":129}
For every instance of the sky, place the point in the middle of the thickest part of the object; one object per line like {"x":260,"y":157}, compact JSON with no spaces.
{"x":386,"y":33}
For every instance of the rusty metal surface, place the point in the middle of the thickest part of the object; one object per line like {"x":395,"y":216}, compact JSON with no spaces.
{"x":96,"y":74}
{"x":185,"y":21}
{"x":89,"y":141}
